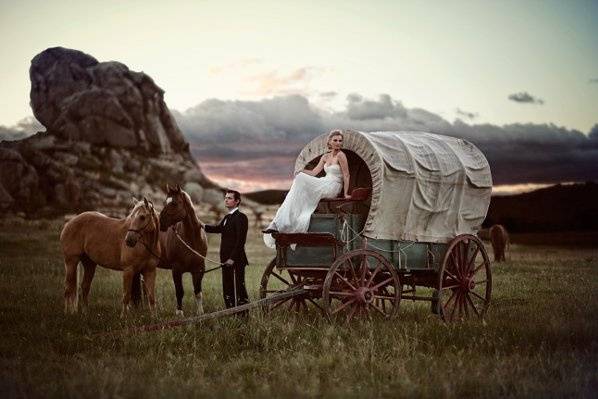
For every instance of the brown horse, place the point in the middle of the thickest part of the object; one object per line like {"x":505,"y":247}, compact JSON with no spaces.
{"x":95,"y":239}
{"x":500,"y":241}
{"x":178,"y":212}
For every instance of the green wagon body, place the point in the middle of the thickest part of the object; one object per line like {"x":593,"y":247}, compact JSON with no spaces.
{"x":405,"y":256}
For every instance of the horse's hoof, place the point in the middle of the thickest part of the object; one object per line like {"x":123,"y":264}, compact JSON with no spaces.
{"x":179,"y":312}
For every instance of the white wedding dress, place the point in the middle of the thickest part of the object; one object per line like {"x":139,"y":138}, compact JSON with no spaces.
{"x":294,"y":214}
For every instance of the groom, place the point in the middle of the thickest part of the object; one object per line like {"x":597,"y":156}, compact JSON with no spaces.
{"x":232,"y":250}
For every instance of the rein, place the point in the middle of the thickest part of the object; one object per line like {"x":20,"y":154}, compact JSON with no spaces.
{"x":176,"y":233}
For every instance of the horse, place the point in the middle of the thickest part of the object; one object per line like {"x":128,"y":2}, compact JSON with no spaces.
{"x":179,"y":214}
{"x":96,"y":239}
{"x":500,"y":242}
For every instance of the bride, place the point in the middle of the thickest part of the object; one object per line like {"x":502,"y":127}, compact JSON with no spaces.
{"x":294,"y":214}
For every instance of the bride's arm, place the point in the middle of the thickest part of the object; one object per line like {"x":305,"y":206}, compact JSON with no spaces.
{"x":342,"y":161}
{"x":317,"y":169}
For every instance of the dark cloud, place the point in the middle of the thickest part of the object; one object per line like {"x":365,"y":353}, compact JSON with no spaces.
{"x":466,"y":114}
{"x":526,"y":98}
{"x":279,"y":127}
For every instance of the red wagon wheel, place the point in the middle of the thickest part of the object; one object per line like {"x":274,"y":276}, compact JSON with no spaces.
{"x":361,"y":282}
{"x":275,"y":281}
{"x":465,"y":280}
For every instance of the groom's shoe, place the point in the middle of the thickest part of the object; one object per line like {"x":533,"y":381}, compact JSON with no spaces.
{"x":269,"y":231}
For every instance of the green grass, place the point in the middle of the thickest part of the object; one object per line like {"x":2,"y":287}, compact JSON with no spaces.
{"x":540,"y":337}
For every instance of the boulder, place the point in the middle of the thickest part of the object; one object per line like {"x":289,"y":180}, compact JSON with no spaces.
{"x":109,"y":137}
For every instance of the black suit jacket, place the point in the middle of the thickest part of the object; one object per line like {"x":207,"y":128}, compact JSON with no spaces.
{"x":234,"y":235}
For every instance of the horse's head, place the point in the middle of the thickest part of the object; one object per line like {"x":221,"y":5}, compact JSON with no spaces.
{"x":143,"y":220}
{"x":175,"y":208}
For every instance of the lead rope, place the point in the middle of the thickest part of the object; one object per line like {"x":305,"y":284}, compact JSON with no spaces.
{"x":176,"y":233}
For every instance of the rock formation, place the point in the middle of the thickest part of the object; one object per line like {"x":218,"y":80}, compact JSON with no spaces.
{"x":109,"y":136}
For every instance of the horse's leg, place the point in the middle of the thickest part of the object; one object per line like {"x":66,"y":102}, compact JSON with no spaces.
{"x":70,"y":283}
{"x":197,"y":278}
{"x":149,"y":281}
{"x":89,"y":269}
{"x":177,"y":278}
{"x":128,"y":275}
{"x":136,"y":294}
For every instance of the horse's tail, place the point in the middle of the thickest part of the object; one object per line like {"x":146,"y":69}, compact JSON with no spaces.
{"x":136,"y":291}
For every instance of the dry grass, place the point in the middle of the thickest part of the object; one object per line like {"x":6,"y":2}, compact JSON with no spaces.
{"x":540,"y":337}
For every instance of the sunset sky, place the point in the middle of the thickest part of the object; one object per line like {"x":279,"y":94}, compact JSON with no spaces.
{"x":251,"y":82}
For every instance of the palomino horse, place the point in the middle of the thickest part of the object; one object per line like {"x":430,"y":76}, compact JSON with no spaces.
{"x":178,"y":212}
{"x":500,"y":241}
{"x":95,"y":239}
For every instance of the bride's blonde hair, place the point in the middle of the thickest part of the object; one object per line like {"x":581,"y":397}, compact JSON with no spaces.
{"x":335,"y":132}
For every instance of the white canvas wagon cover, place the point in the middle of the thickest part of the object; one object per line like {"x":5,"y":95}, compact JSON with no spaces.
{"x":425,"y":187}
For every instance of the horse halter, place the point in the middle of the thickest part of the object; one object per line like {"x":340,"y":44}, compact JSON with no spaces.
{"x":139,"y":231}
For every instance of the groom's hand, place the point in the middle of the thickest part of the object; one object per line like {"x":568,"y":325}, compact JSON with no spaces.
{"x":229,"y":262}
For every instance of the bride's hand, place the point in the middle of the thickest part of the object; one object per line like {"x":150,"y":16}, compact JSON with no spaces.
{"x":347,"y":196}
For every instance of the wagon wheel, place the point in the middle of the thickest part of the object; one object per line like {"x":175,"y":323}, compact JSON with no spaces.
{"x":278,"y":281}
{"x":361,"y":282}
{"x":465,"y":280}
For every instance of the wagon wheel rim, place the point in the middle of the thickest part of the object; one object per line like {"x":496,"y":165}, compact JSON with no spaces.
{"x":361,"y":283}
{"x":465,"y":280}
{"x":278,"y":281}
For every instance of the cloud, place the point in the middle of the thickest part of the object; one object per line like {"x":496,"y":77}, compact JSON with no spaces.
{"x":25,"y":127}
{"x":466,"y":114}
{"x":328,"y":95}
{"x":276,"y":129}
{"x":278,"y":82}
{"x":526,"y":98}
{"x":593,"y":80}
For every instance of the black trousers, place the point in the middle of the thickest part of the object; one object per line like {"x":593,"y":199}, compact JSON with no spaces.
{"x":230,"y":276}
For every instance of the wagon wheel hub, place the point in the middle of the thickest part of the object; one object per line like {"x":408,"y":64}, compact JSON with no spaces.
{"x":364,"y":295}
{"x":468,"y":284}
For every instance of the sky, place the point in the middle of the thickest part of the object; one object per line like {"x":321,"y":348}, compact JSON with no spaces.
{"x":256,"y":81}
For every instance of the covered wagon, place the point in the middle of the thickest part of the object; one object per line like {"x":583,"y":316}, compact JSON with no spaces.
{"x":408,"y":232}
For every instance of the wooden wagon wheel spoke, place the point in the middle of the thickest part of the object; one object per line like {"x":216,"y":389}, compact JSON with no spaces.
{"x":450,"y":287}
{"x":480,"y":282}
{"x":476,"y":295}
{"x":352,"y":267}
{"x":341,"y":294}
{"x":373,"y":275}
{"x":364,"y":268}
{"x":352,"y":313}
{"x":280,"y":278}
{"x":473,"y":306}
{"x":473,"y":258}
{"x":377,"y":309}
{"x":317,"y":305}
{"x":345,"y":281}
{"x":344,"y":305}
{"x":449,"y":274}
{"x":478,"y":267}
{"x":388,"y":280}
{"x":465,"y":307}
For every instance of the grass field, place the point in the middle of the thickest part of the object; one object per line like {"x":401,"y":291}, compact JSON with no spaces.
{"x":540,"y":337}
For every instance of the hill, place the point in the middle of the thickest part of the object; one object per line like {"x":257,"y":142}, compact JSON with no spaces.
{"x":556,"y":208}
{"x":571,"y":207}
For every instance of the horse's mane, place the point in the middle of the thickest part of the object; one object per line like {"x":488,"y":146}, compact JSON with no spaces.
{"x":190,"y":210}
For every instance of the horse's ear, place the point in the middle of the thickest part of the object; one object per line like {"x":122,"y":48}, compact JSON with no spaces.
{"x":178,"y":188}
{"x":167,"y":188}
{"x":145,"y":201}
